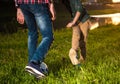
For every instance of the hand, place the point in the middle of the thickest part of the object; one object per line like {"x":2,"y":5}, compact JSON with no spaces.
{"x":20,"y":16}
{"x":71,"y":24}
{"x":53,"y":17}
{"x":52,"y":11}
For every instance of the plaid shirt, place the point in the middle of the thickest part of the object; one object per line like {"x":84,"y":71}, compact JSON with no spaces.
{"x":76,"y":5}
{"x":17,"y":2}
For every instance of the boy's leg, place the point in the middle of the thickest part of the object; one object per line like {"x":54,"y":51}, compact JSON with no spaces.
{"x":43,"y":21}
{"x":75,"y":45}
{"x":84,"y":27}
{"x":32,"y":31}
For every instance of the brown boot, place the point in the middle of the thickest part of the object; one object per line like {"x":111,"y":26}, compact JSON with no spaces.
{"x":73,"y":57}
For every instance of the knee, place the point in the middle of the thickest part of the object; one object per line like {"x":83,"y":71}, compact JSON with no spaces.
{"x":50,"y":39}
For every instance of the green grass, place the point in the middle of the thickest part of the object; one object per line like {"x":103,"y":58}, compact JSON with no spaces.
{"x":102,"y":65}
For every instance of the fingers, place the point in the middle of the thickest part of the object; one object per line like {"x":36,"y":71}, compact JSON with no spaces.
{"x":20,"y":20}
{"x":20,"y":17}
{"x":53,"y":18}
{"x":71,"y":24}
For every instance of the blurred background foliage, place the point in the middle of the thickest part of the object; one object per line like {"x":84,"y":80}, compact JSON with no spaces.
{"x":8,"y":23}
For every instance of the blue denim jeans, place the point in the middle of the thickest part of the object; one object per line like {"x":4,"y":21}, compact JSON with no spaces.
{"x":37,"y":17}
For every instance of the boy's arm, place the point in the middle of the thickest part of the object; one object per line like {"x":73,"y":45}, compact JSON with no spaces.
{"x":75,"y":19}
{"x":20,"y":16}
{"x":52,"y":10}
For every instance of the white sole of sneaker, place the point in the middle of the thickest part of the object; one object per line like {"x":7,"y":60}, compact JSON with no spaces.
{"x":73,"y":57}
{"x":34,"y":72}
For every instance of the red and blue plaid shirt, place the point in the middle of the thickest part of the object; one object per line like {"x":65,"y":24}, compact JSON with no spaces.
{"x":30,"y":2}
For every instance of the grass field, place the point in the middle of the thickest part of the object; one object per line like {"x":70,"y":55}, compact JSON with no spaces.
{"x":102,"y":65}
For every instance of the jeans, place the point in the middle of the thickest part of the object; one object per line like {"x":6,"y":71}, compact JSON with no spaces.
{"x":37,"y":17}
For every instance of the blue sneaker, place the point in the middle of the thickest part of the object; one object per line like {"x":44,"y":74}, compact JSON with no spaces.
{"x":35,"y":70}
{"x":44,"y":68}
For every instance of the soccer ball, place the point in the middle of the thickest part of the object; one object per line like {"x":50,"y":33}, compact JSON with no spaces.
{"x":44,"y":68}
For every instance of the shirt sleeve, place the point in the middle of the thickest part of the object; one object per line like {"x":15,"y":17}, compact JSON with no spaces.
{"x":78,"y":6}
